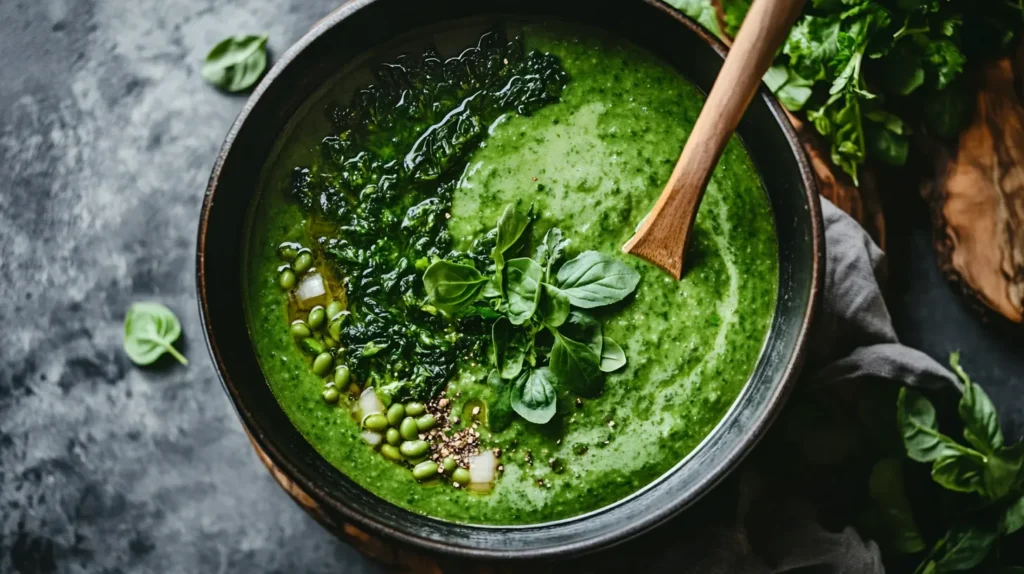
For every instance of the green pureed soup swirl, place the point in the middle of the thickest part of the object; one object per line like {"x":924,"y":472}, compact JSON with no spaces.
{"x":436,"y":293}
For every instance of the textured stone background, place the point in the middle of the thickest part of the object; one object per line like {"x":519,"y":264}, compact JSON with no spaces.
{"x":107,"y":136}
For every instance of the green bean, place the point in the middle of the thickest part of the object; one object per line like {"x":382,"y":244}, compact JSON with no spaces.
{"x":316,"y":318}
{"x":396,"y":412}
{"x":425,"y":470}
{"x":414,"y":448}
{"x":449,"y":464}
{"x":334,"y":308}
{"x":414,"y":409}
{"x":311,"y":346}
{"x":341,"y":375}
{"x":375,"y":422}
{"x":390,"y":452}
{"x":330,"y":395}
{"x":303,"y":261}
{"x":425,"y":423}
{"x":287,"y":251}
{"x":299,"y":329}
{"x":322,"y":363}
{"x":460,"y":476}
{"x":393,"y":438}
{"x":408,"y":428}
{"x":286,"y":279}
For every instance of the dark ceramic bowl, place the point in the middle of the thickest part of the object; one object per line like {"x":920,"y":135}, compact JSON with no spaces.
{"x":349,"y":33}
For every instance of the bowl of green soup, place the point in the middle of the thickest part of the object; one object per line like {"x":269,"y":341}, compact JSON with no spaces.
{"x":411,"y":279}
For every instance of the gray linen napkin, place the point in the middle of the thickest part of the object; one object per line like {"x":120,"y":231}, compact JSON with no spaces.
{"x":777,"y":513}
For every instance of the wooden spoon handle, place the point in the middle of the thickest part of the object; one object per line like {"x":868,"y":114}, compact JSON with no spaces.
{"x":663,"y":236}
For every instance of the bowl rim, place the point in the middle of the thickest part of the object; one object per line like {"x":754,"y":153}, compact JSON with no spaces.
{"x":725,"y":465}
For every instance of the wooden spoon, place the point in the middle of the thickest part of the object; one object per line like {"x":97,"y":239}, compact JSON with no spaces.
{"x":663,"y":236}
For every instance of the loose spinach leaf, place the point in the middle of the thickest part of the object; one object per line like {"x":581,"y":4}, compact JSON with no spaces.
{"x":920,"y":429}
{"x":890,"y":514}
{"x":511,"y":226}
{"x":575,"y":357}
{"x":613,"y":357}
{"x":1013,"y":517}
{"x":551,"y":251}
{"x":593,"y":279}
{"x":960,"y":473}
{"x":979,"y":415}
{"x":508,"y":348}
{"x":553,"y":307}
{"x":236,"y":63}
{"x":1002,"y":471}
{"x":524,"y":277}
{"x":964,"y":547}
{"x":451,"y":286}
{"x":149,"y":331}
{"x":533,"y":395}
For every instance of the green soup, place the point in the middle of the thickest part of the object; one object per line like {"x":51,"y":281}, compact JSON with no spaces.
{"x":591,"y":160}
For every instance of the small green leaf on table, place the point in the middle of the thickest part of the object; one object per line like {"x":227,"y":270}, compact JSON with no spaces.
{"x":150,"y":329}
{"x":236,"y":63}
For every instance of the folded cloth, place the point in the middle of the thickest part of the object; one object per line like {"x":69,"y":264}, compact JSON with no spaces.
{"x":778,"y":513}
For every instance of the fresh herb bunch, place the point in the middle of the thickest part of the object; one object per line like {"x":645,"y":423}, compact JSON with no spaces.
{"x":982,"y":476}
{"x":542,"y":337}
{"x":380,"y":191}
{"x":864,"y":71}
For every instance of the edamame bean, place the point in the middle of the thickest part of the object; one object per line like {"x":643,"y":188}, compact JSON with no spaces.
{"x":330,"y":395}
{"x":322,"y":363}
{"x":288,"y":251}
{"x":413,"y":448}
{"x":299,"y":329}
{"x":460,"y":476}
{"x":425,"y":470}
{"x":414,"y":409}
{"x":390,"y":452}
{"x":303,"y":261}
{"x":286,"y":279}
{"x":396,"y":413}
{"x":341,"y":375}
{"x":393,"y":438}
{"x":408,"y":428}
{"x":375,"y":422}
{"x":311,"y":346}
{"x":449,"y":464}
{"x":316,"y":318}
{"x":425,"y":423}
{"x":333,"y":309}
{"x":334,"y":329}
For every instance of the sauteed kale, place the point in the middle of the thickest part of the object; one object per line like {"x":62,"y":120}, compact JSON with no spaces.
{"x":380,"y":193}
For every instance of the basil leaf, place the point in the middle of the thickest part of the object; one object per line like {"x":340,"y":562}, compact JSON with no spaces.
{"x":451,"y":286}
{"x":1013,"y":517}
{"x":508,"y":348}
{"x":149,"y":331}
{"x":920,"y":429}
{"x":613,"y":357}
{"x":533,"y":395}
{"x":524,"y":277}
{"x":492,"y":288}
{"x":594,"y":280}
{"x":236,"y":63}
{"x":511,"y":226}
{"x":979,"y":415}
{"x":1001,"y":471}
{"x":964,"y":547}
{"x":896,"y":528}
{"x":576,"y":355}
{"x":553,"y":307}
{"x":960,"y":473}
{"x":499,"y":409}
{"x":551,"y":250}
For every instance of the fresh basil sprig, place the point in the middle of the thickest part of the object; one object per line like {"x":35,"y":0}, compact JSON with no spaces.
{"x":986,"y":469}
{"x":534,"y":297}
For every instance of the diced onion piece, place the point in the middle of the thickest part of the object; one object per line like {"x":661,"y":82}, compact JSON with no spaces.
{"x":311,"y":291}
{"x":369,"y":403}
{"x":372,"y":438}
{"x":481,"y":471}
